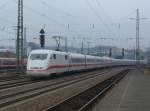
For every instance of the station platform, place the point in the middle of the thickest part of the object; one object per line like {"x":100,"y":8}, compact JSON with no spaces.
{"x":131,"y":94}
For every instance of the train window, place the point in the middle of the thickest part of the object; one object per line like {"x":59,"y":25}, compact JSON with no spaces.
{"x":90,"y":60}
{"x":38,"y":56}
{"x":100,"y":60}
{"x":51,"y":57}
{"x":54,"y":56}
{"x":77,"y":60}
{"x":66,"y":57}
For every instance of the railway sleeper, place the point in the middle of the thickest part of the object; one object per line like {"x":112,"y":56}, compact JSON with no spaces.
{"x":86,"y":99}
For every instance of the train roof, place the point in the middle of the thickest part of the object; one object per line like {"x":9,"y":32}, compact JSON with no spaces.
{"x":46,"y":51}
{"x":75,"y":54}
{"x":52,"y":51}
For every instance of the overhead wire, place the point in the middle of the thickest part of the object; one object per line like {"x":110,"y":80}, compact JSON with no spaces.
{"x":98,"y":16}
{"x":116,"y":24}
{"x":105,"y":13}
{"x":126,"y":17}
{"x":62,"y":12}
{"x":56,"y":9}
{"x":43,"y":15}
{"x":2,"y":7}
{"x":3,"y":28}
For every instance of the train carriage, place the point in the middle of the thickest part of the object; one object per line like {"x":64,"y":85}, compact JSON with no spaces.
{"x":8,"y":63}
{"x":77,"y":62}
{"x":58,"y":62}
{"x":90,"y":62}
{"x":44,"y":62}
{"x":47,"y":62}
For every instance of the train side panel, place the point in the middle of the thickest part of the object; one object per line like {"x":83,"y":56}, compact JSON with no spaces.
{"x":58,"y":63}
{"x":47,"y":62}
{"x":76,"y":62}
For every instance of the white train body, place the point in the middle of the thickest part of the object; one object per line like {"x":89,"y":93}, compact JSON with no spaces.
{"x":47,"y":62}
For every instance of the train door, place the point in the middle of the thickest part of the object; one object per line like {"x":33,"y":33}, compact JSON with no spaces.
{"x":85,"y":62}
{"x":52,"y":63}
{"x":67,"y":60}
{"x":60,"y":62}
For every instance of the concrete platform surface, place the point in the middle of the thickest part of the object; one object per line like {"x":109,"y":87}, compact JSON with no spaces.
{"x":131,"y":94}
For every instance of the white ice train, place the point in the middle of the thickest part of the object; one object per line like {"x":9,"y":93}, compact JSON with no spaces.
{"x":42,"y":62}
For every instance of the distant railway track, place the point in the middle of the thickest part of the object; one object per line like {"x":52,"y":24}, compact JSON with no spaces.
{"x":11,"y":77}
{"x":15,"y":78}
{"x":5,"y":72}
{"x":7,"y":69}
{"x":20,"y":93}
{"x":10,"y":74}
{"x":15,"y":83}
{"x":84,"y":100}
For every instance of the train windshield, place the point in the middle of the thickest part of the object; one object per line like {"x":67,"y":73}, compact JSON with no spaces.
{"x":38,"y":56}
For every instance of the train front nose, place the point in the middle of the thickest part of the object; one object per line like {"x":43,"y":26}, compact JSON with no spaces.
{"x":37,"y":73}
{"x":37,"y":63}
{"x":37,"y":69}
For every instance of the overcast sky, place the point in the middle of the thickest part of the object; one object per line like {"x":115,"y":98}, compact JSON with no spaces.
{"x":54,"y":15}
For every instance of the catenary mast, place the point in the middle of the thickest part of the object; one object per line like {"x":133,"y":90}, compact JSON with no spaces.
{"x":19,"y":42}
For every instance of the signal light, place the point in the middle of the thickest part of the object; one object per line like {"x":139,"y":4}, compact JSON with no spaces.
{"x":42,"y":38}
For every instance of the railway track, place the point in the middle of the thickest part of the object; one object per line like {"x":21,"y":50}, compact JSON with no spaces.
{"x":20,"y":80}
{"x":13,"y":96}
{"x":13,"y":80}
{"x":20,"y":93}
{"x":10,"y":84}
{"x":9,"y":76}
{"x":84,"y":100}
{"x":10,"y":96}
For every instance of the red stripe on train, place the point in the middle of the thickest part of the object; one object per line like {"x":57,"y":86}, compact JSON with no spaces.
{"x":66,"y":66}
{"x":75,"y":65}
